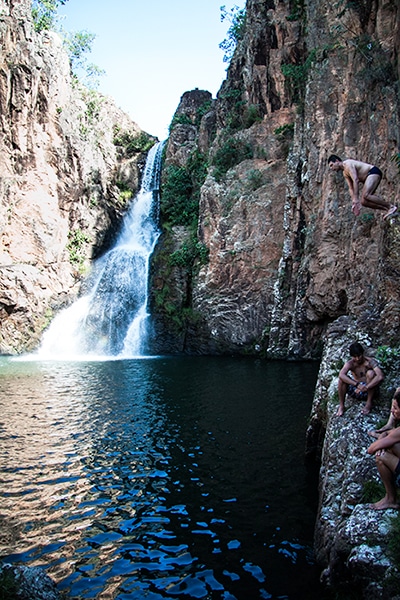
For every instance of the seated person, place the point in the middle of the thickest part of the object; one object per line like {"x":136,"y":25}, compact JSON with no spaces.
{"x":387,"y":456}
{"x":359,"y":378}
{"x":391,"y":423}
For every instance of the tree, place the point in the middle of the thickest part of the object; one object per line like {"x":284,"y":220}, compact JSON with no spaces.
{"x":44,"y":13}
{"x":237,"y":18}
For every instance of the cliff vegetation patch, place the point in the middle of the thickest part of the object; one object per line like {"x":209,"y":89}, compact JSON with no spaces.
{"x":232,"y":152}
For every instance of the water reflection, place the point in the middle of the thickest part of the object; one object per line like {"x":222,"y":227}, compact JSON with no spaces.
{"x":159,"y":478}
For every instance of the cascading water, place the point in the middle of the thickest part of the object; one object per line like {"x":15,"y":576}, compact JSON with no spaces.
{"x":110,"y":320}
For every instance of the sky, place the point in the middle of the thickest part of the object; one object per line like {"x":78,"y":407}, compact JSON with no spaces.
{"x":152,"y":51}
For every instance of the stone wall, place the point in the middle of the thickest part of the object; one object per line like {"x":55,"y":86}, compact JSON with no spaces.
{"x":286,"y":255}
{"x":59,"y":166}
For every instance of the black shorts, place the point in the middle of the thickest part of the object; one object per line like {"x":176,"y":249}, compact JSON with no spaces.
{"x":351,"y":390}
{"x":375,"y":171}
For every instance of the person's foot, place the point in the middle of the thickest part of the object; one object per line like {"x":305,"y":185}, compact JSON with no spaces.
{"x":391,"y":211}
{"x":340,"y":411}
{"x":366,"y":410}
{"x":384,"y":504}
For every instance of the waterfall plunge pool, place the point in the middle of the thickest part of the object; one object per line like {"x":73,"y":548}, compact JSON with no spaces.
{"x":160,"y":477}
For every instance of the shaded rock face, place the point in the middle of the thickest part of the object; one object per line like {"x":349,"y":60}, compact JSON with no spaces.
{"x":351,"y":539}
{"x":59,"y":165}
{"x":286,"y":255}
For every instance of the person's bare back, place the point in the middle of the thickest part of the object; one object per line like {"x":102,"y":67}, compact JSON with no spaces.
{"x":356,"y":172}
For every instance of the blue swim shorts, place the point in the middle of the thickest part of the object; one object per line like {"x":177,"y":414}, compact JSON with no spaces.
{"x":351,"y":390}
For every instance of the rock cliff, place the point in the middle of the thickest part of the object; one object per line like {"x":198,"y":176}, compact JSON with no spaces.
{"x":65,"y":160}
{"x":290,"y":272}
{"x":286,"y":256}
{"x":355,"y":545}
{"x":260,"y":251}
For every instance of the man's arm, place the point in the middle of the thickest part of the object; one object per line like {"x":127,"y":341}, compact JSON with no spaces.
{"x":343,"y":373}
{"x":393,"y":437}
{"x":351,"y":176}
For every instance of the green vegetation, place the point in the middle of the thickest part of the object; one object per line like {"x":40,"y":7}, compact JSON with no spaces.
{"x":185,"y":119}
{"x":239,"y":115}
{"x":285,"y":131}
{"x":77,"y":240}
{"x":77,"y":44}
{"x":296,"y":76}
{"x":180,"y":192}
{"x":231,"y":153}
{"x":125,"y":193}
{"x":372,"y":492}
{"x":44,"y":13}
{"x":297,"y":10}
{"x":237,"y":19}
{"x":191,"y":252}
{"x":255,"y":179}
{"x":179,"y":206}
{"x":388,"y":358}
{"x":133,"y":143}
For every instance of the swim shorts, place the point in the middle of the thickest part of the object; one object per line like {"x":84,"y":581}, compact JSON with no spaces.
{"x":397,"y":475}
{"x":351,"y":390}
{"x":375,"y":171}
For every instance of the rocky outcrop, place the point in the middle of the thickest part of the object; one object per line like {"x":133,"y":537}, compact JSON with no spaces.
{"x":291,"y":272}
{"x":64,"y":158}
{"x":352,"y":540}
{"x":286,"y":256}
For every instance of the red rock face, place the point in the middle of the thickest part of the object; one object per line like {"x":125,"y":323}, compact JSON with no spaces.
{"x":286,"y":255}
{"x":58,"y":169}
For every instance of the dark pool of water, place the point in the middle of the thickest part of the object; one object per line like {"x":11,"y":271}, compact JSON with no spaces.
{"x":160,"y":478}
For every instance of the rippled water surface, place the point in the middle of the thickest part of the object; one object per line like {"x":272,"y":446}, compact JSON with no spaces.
{"x":159,"y":478}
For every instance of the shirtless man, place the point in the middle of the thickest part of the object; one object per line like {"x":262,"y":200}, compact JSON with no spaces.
{"x":359,"y":377}
{"x":387,"y":456}
{"x":391,"y":423}
{"x":354,"y":172}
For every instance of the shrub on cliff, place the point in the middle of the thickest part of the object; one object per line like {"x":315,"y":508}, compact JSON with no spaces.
{"x":231,"y":153}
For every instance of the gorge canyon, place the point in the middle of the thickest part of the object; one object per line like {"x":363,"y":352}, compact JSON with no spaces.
{"x":260,"y":253}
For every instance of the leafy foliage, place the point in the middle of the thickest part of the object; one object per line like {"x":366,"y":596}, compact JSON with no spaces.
{"x":132,"y":143}
{"x":77,"y":240}
{"x":389,"y":358}
{"x":44,"y":13}
{"x":191,"y":251}
{"x":231,"y":153}
{"x":296,"y":77}
{"x":180,"y":192}
{"x":177,"y":204}
{"x":237,"y":20}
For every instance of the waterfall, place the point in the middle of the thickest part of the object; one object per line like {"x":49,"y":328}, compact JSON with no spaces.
{"x":110,"y":320}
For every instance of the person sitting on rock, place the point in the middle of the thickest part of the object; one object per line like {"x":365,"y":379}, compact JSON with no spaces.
{"x":354,"y":172}
{"x":391,"y":423}
{"x":387,"y":457}
{"x":359,"y":378}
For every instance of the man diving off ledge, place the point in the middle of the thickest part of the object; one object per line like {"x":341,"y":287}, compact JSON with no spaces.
{"x":354,"y":172}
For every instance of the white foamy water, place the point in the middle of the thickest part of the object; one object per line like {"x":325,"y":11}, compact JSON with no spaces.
{"x":110,"y":320}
